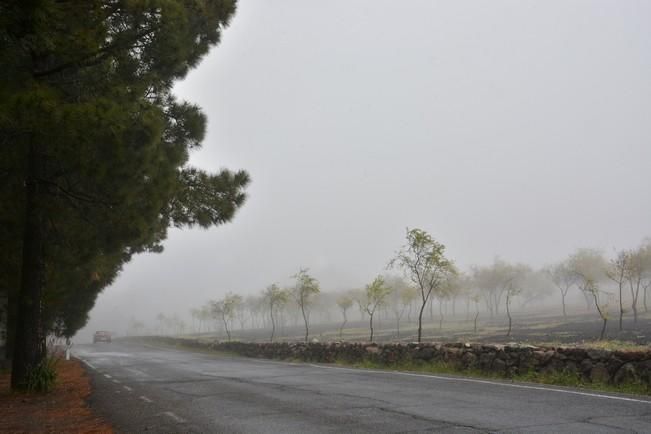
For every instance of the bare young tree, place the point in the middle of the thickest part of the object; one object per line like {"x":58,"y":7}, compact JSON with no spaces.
{"x":344,"y":302}
{"x":563,"y":278}
{"x":373,"y":296}
{"x":423,"y":261}
{"x":304,"y":290}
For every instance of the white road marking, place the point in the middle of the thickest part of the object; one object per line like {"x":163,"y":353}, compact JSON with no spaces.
{"x":116,"y":381}
{"x":175,"y":417}
{"x":144,"y":398}
{"x":107,"y":376}
{"x":90,"y":365}
{"x":128,"y":388}
{"x":492,"y":383}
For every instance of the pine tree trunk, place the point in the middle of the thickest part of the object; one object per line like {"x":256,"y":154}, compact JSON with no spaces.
{"x":29,"y":341}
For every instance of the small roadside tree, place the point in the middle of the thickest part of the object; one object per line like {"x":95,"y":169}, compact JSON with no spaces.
{"x":226,"y":308}
{"x":588,"y":265}
{"x":616,"y":270}
{"x":304,"y":291}
{"x":638,"y":274}
{"x":275,"y":298}
{"x":344,"y":302}
{"x":373,"y":296}
{"x":423,"y":261}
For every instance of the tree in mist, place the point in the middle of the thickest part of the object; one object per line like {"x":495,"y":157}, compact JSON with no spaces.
{"x":475,"y":299}
{"x":638,"y":274}
{"x":304,"y":291}
{"x":344,"y":302}
{"x":373,"y":296}
{"x":449,"y":289}
{"x":423,"y":261}
{"x":135,"y":327}
{"x":563,"y":279}
{"x":225,"y":309}
{"x":514,"y":284}
{"x":589,"y":266}
{"x":162,"y":321}
{"x":492,"y":282}
{"x":616,"y":270}
{"x":401,"y":297}
{"x":97,"y":168}
{"x":275,"y":298}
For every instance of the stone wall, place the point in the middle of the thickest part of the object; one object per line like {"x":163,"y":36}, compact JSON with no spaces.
{"x":593,"y":365}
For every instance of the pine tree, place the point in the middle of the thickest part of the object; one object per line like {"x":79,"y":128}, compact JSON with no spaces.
{"x":95,"y":150}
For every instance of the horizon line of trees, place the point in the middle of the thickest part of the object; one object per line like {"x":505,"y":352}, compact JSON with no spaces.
{"x":428,"y":276}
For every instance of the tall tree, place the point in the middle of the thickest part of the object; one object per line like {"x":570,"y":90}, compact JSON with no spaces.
{"x":423,"y":262}
{"x":96,"y":170}
{"x":304,"y":291}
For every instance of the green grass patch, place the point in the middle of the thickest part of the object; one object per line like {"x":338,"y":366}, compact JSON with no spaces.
{"x":565,"y":379}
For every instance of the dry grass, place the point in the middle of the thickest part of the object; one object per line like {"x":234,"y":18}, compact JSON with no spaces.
{"x":63,"y":410}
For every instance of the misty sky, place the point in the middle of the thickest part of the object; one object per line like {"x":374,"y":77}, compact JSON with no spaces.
{"x":512,"y":128}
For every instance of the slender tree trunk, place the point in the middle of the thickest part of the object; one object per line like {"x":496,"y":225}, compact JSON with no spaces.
{"x":371,"y":324}
{"x":563,"y":300}
{"x":305,"y":320}
{"x":440,"y":314}
{"x":467,"y":308}
{"x":508,"y":313}
{"x":476,"y":316}
{"x":341,"y":329}
{"x":398,"y":327}
{"x":29,"y":341}
{"x":228,"y":333}
{"x":635,"y":293}
{"x":621,"y":306}
{"x":420,"y":320}
{"x":273,"y":324}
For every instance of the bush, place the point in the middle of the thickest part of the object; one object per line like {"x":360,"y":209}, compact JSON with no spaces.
{"x":43,"y":377}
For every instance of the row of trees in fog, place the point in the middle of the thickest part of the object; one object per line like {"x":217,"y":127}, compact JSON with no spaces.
{"x":422,"y":276}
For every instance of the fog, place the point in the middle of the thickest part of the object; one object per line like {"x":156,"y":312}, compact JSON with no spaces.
{"x":518,"y":129}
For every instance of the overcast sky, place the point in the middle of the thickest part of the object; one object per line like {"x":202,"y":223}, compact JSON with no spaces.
{"x":512,"y":128}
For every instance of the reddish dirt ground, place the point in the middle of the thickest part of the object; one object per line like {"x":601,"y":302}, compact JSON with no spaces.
{"x":64,"y":410}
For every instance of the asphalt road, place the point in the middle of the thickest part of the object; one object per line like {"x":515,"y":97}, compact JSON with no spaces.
{"x":143,"y":388}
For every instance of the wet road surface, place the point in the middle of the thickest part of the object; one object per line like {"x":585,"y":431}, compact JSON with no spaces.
{"x":142,"y":388}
